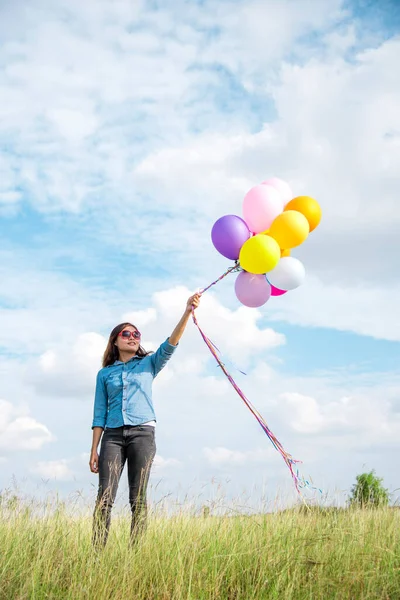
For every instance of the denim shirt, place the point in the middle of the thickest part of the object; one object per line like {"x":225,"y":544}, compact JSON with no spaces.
{"x":124,"y":390}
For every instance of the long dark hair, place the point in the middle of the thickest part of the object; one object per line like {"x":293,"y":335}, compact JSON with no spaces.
{"x":111,"y":353}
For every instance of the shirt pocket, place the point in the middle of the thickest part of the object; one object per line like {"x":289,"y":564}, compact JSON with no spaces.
{"x":114,"y":384}
{"x":141,"y":376}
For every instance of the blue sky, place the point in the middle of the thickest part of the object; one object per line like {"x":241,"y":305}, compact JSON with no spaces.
{"x":126,"y":130}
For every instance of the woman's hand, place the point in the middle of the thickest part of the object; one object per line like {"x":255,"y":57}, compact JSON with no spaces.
{"x":94,"y":461}
{"x":177,"y":333}
{"x":193,"y":301}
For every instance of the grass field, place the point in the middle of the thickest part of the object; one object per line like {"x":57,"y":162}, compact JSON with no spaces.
{"x":298,"y":553}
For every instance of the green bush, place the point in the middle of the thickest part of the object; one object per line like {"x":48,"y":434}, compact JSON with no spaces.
{"x":369,"y":491}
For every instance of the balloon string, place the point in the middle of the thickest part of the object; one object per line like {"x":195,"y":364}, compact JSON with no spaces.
{"x":236,"y":267}
{"x":291,"y":463}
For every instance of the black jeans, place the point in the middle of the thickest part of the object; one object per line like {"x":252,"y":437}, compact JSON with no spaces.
{"x":137,"y":446}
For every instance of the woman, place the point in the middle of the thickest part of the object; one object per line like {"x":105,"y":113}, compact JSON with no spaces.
{"x":123,"y":410}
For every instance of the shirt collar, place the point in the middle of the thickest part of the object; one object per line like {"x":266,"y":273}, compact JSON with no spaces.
{"x":121,"y":362}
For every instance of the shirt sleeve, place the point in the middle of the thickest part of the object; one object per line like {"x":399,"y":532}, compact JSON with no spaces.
{"x":161,"y":356}
{"x":100,"y":403}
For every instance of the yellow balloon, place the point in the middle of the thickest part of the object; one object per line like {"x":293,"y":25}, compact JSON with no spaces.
{"x":308,"y":207}
{"x":259,"y":254}
{"x":285,"y":252}
{"x":289,"y":229}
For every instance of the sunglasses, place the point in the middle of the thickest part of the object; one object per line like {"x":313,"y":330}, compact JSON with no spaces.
{"x":128,"y":334}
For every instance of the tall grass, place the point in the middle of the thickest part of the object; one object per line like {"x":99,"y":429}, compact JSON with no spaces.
{"x":298,"y":553}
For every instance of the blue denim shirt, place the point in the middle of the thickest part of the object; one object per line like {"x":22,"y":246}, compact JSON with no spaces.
{"x":124,"y":390}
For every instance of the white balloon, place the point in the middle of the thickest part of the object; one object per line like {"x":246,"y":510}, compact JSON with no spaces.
{"x":282,"y":187}
{"x":288,"y":274}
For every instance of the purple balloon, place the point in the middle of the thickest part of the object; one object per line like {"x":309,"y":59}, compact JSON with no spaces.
{"x":229,"y":234}
{"x":252,"y":290}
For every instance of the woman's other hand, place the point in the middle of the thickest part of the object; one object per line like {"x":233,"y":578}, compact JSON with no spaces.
{"x":94,"y":461}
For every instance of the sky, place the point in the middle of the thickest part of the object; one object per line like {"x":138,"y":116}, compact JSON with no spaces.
{"x":127,"y":128}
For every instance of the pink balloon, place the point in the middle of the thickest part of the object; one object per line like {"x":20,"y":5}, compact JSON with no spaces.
{"x":276,"y":292}
{"x":282,"y":187}
{"x":252,"y":290}
{"x":261,"y":205}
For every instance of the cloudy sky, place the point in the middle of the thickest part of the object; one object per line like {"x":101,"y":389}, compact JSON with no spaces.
{"x":127,"y":127}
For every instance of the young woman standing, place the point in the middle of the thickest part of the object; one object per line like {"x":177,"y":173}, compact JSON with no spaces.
{"x":124,"y":420}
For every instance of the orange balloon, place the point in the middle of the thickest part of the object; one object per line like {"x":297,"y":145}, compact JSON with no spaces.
{"x":308,"y":207}
{"x":289,"y":229}
{"x":284,"y":252}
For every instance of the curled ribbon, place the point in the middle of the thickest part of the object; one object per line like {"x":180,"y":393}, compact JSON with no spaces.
{"x":291,"y":463}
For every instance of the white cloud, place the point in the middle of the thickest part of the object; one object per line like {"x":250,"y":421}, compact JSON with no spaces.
{"x":308,"y":417}
{"x":48,"y":306}
{"x":144,"y":317}
{"x":364,"y":309}
{"x":362,"y":419}
{"x":20,"y":431}
{"x":220,"y":323}
{"x":162,"y":463}
{"x":73,"y":125}
{"x":220,"y":456}
{"x":257,"y":34}
{"x":71,"y":371}
{"x":148,"y":64}
{"x":201,"y":167}
{"x":54,"y":469}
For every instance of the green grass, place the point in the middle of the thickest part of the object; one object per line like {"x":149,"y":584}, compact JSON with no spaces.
{"x":297,"y":553}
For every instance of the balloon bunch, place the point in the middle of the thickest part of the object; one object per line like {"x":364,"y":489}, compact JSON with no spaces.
{"x":274,"y":222}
